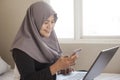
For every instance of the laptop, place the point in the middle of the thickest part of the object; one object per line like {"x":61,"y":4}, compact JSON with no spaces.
{"x":97,"y":67}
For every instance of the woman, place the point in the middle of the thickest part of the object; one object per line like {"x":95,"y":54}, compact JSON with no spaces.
{"x":36,"y":50}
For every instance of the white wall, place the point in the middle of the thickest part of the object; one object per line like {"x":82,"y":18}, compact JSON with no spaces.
{"x":11,"y":16}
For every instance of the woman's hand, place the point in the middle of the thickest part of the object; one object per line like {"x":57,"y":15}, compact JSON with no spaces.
{"x":66,"y":71}
{"x":63,"y":63}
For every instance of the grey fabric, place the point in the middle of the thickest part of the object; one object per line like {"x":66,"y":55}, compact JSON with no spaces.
{"x":28,"y":39}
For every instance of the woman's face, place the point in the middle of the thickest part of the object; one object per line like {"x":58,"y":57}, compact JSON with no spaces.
{"x":47,"y":27}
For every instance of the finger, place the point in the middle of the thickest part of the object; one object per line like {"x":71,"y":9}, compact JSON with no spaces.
{"x":72,"y":69}
{"x":65,"y":71}
{"x":65,"y":56}
{"x":59,"y":72}
{"x":73,"y":54}
{"x":74,"y":57}
{"x":72,"y":64}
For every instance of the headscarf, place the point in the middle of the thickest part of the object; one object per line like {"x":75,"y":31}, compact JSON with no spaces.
{"x":29,"y":40}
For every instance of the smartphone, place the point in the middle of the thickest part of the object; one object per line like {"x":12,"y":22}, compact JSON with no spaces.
{"x":77,"y":51}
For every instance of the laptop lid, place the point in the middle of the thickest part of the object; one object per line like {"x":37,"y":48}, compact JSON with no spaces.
{"x":100,"y":63}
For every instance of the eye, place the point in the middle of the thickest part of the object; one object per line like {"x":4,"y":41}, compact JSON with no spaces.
{"x":46,"y":22}
{"x":53,"y":21}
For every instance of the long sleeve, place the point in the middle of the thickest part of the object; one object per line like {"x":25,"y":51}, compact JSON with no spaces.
{"x":29,"y":70}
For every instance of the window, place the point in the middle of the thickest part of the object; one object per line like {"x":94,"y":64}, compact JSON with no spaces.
{"x":87,"y":19}
{"x":65,"y":25}
{"x":101,"y":17}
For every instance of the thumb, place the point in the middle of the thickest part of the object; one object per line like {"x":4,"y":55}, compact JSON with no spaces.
{"x":73,"y":55}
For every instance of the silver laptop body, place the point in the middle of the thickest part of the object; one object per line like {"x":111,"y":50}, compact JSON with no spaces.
{"x":100,"y":63}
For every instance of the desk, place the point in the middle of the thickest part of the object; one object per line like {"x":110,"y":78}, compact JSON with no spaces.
{"x":102,"y":76}
{"x":108,"y":76}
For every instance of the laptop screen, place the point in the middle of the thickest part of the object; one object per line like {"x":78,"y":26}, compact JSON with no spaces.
{"x":100,"y":63}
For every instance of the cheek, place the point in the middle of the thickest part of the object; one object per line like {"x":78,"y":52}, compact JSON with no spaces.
{"x":42,"y":28}
{"x":41,"y":32}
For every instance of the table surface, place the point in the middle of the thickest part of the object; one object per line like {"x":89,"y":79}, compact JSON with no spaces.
{"x":102,"y":76}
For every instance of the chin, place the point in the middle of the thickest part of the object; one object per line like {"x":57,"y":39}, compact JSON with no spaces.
{"x":47,"y":36}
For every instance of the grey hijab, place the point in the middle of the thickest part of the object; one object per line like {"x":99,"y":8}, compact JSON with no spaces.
{"x":28,"y":39}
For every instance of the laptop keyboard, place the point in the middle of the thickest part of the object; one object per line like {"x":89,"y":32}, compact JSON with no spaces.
{"x":77,"y":76}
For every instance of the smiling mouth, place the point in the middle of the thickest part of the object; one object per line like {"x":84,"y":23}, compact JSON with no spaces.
{"x":47,"y":31}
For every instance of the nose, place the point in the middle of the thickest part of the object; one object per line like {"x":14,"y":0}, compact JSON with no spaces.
{"x":49,"y":25}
